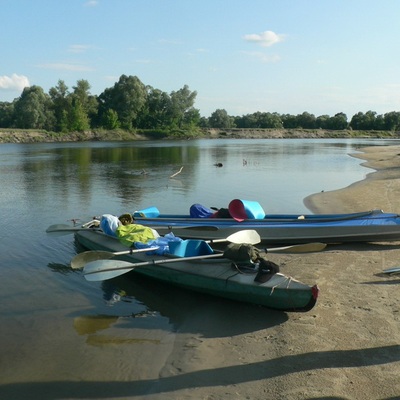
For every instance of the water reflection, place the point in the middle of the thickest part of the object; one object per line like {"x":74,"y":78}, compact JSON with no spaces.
{"x":274,"y":172}
{"x":186,"y":311}
{"x":83,"y":170}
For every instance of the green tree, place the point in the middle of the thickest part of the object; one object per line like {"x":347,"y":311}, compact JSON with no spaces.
{"x":32,"y":109}
{"x":182,"y":102}
{"x":220,"y":119}
{"x":61,"y":104}
{"x":246,"y":121}
{"x":338,"y":122}
{"x":379,"y":123}
{"x":322,"y":121}
{"x":289,"y":121}
{"x":78,"y":117}
{"x":306,"y":121}
{"x":156,"y":112}
{"x":364,"y":122}
{"x":6,"y":114}
{"x":88,"y":102}
{"x":269,"y":121}
{"x":110,"y":119}
{"x":127,"y":98}
{"x":203,"y":122}
{"x":191,"y":118}
{"x":392,"y":121}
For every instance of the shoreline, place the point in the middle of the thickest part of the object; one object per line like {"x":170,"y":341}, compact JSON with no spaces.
{"x":385,"y":164}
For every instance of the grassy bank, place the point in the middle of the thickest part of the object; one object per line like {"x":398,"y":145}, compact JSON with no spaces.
{"x":41,"y":136}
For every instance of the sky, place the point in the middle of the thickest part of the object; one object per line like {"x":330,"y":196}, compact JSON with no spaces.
{"x":243,"y":56}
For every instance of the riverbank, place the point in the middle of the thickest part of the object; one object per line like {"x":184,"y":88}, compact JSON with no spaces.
{"x":31,"y":136}
{"x":380,"y":190}
{"x":347,"y":347}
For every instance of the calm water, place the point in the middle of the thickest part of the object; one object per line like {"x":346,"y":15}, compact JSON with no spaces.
{"x":56,"y":328}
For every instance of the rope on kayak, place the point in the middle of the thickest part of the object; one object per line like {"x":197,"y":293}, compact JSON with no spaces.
{"x":287,"y":280}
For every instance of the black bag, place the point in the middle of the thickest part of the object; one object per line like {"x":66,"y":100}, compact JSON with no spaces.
{"x":266,"y":269}
{"x":241,"y":252}
{"x":245,"y":253}
{"x":221,"y":213}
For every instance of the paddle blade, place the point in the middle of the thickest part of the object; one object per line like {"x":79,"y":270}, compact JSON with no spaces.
{"x":249,"y":236}
{"x":79,"y":261}
{"x":86,"y":257}
{"x":391,"y":271}
{"x":62,"y":229}
{"x":100,"y":270}
{"x":299,"y":248}
{"x":57,"y":227}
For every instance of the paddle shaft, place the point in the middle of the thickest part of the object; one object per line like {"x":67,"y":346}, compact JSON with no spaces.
{"x":98,"y":270}
{"x":126,"y":267}
{"x":245,"y":236}
{"x":66,"y":229}
{"x":298,"y":248}
{"x":120,"y":253}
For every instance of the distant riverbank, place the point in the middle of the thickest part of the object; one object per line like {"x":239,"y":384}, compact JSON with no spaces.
{"x":41,"y":136}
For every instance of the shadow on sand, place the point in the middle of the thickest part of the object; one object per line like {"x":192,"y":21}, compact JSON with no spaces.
{"x":206,"y":378}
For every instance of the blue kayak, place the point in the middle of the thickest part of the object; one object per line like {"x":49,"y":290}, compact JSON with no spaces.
{"x":368,"y":226}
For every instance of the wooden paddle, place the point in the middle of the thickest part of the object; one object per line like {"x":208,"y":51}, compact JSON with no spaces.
{"x":298,"y":248}
{"x":79,"y":261}
{"x":391,"y":271}
{"x":64,"y":229}
{"x":107,"y":269}
{"x":102,"y":270}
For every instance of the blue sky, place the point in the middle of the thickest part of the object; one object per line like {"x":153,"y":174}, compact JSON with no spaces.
{"x":244,"y":56}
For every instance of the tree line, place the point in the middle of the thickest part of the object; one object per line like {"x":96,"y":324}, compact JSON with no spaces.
{"x":131,"y":105}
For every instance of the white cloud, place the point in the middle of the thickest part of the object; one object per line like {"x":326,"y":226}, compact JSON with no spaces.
{"x":13,"y":82}
{"x":264,"y":39}
{"x":66,"y":67}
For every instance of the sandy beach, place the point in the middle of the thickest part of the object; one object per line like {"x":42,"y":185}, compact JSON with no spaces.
{"x":347,"y":347}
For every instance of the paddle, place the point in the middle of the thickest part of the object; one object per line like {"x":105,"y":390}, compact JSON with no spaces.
{"x":64,"y":229}
{"x":298,"y":248}
{"x":102,"y":270}
{"x":391,"y":271}
{"x":248,"y":236}
{"x":79,"y":261}
{"x":106,"y":269}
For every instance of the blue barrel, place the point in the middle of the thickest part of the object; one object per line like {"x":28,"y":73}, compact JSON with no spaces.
{"x":149,"y":212}
{"x":190,"y":248}
{"x":245,"y":209}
